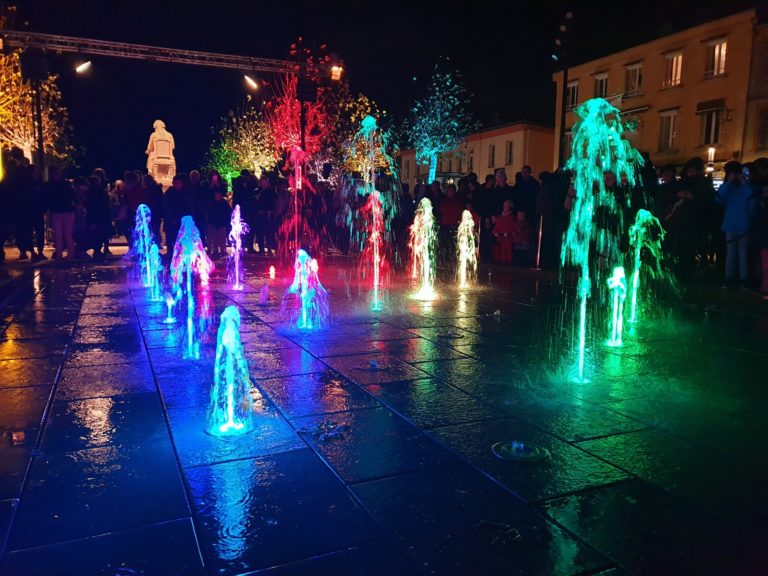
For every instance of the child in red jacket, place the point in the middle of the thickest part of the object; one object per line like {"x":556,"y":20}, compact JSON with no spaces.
{"x":503,"y":230}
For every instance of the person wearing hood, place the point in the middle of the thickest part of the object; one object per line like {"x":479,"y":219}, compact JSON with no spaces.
{"x":736,"y":196}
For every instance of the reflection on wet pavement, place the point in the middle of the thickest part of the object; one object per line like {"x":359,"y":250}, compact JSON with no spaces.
{"x":372,"y":448}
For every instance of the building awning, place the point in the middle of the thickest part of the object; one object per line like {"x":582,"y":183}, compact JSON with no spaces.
{"x":710,"y":106}
{"x":635,"y":110}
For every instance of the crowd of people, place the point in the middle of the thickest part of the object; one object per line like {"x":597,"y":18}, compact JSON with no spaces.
{"x":722,"y":229}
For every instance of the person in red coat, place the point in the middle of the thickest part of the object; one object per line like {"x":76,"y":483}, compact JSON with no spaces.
{"x":503,"y":230}
{"x":521,"y":238}
{"x":451,"y":207}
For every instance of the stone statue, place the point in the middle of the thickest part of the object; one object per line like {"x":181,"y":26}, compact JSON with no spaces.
{"x":161,"y":163}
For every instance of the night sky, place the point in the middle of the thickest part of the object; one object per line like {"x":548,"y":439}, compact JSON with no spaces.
{"x":502,"y":47}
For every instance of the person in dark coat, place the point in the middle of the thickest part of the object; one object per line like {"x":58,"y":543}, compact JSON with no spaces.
{"x":264,"y":234}
{"x":526,"y":191}
{"x":175,"y":206}
{"x":98,"y":216}
{"x":60,"y":198}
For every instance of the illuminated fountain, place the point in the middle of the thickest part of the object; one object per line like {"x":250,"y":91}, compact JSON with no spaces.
{"x":373,"y":253}
{"x":646,"y":233}
{"x":154,"y":273}
{"x":466,"y":249}
{"x":617,"y":284}
{"x":142,"y":244}
{"x":305,"y":303}
{"x":423,"y":243}
{"x":238,"y":228}
{"x":598,"y":146}
{"x":189,"y":258}
{"x":170,"y":302}
{"x":231,"y":408}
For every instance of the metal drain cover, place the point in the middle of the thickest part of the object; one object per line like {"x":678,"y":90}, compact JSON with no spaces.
{"x":520,"y":451}
{"x":373,"y":366}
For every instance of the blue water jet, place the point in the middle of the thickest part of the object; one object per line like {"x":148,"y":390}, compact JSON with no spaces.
{"x":231,"y":407}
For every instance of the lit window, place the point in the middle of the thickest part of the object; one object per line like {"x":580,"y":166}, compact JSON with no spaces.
{"x":572,"y":95}
{"x":634,"y":81}
{"x":491,"y":155}
{"x":716,"y":50}
{"x":667,"y":130}
{"x":407,"y":169}
{"x":710,"y":127}
{"x":601,"y":86}
{"x":673,"y":69}
{"x":509,"y":154}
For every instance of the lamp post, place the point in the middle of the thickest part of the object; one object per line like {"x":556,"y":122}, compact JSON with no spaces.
{"x":560,"y":55}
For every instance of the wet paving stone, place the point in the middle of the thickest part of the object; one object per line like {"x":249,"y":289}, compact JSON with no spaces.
{"x":155,"y":550}
{"x":375,"y":331}
{"x":30,"y":372}
{"x":430,"y":403}
{"x":416,"y":350}
{"x":196,"y":447}
{"x":713,"y":425}
{"x":46,"y":316}
{"x":22,"y":407}
{"x":571,"y":420}
{"x":15,"y":456}
{"x":108,"y":335}
{"x":645,"y":531}
{"x":282,"y":362}
{"x":104,"y":355}
{"x":371,"y":443}
{"x":336,"y":345}
{"x":97,"y":422}
{"x":185,"y":386}
{"x":19,"y":331}
{"x":164,"y":339}
{"x":374,"y":559}
{"x":93,"y":320}
{"x":34,"y":348}
{"x":257,"y":513}
{"x":78,"y":494}
{"x":265,"y":340}
{"x":7,"y":510}
{"x":654,"y":455}
{"x":366,"y":369}
{"x":453,"y":520}
{"x":79,"y":382}
{"x":318,"y":393}
{"x":568,"y":469}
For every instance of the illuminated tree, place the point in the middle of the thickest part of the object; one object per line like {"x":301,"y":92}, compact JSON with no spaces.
{"x":18,"y":127}
{"x":284,"y":117}
{"x":244,"y":141}
{"x":441,"y":119}
{"x":222,"y":159}
{"x":10,"y":85}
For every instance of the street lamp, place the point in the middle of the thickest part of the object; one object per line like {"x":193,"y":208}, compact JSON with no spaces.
{"x":250,"y":82}
{"x":559,"y":55}
{"x":336,"y":72}
{"x":83,"y":67}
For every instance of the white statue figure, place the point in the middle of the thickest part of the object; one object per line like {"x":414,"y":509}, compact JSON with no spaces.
{"x":160,"y":161}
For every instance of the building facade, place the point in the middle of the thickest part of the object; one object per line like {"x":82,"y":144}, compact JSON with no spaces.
{"x":700,"y":92}
{"x":510,"y":146}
